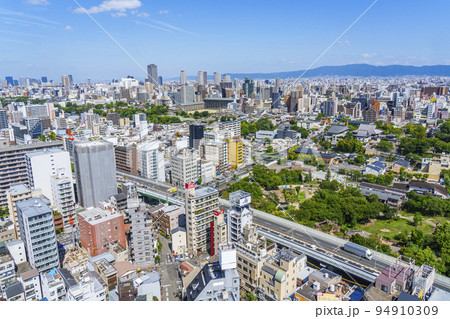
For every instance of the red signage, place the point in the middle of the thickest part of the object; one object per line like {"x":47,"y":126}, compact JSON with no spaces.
{"x":189,"y":185}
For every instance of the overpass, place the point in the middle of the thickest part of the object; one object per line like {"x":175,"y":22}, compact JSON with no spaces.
{"x":289,"y":233}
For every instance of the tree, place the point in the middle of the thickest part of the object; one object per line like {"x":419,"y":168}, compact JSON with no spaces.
{"x":349,"y":145}
{"x":52,"y":136}
{"x":328,"y":175}
{"x":42,"y":137}
{"x":199,"y":182}
{"x":385,"y":146}
{"x":417,"y":219}
{"x":417,"y":238}
{"x":269,"y":149}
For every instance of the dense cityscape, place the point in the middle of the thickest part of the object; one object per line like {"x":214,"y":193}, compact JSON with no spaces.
{"x":185,"y":151}
{"x":331,"y":188}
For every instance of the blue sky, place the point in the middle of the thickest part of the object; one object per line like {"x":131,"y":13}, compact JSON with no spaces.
{"x":52,"y":37}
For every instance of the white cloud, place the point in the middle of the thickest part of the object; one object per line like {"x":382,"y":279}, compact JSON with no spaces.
{"x":369,"y":55}
{"x":118,"y":14}
{"x":143,"y":14}
{"x":38,"y":2}
{"x":112,"y":5}
{"x":68,"y":28}
{"x":163,"y":11}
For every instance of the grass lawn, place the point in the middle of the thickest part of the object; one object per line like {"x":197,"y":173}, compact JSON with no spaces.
{"x":390,"y":228}
{"x":301,"y":197}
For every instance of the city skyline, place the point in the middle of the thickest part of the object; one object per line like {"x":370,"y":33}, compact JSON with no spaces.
{"x":64,"y":40}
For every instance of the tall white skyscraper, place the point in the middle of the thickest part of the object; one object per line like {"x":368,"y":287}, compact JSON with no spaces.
{"x":183,"y":78}
{"x":41,"y":165}
{"x":202,"y":77}
{"x":217,"y":78}
{"x":151,"y":161}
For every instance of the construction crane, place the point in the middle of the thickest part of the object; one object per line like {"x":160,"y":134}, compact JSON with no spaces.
{"x":71,"y":137}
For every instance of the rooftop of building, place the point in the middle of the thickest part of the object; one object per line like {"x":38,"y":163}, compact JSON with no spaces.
{"x":14,"y":289}
{"x":33,"y":207}
{"x":205,"y":191}
{"x":95,"y":215}
{"x":30,"y":274}
{"x":123,"y":267}
{"x":45,"y":151}
{"x":18,"y":189}
{"x":69,"y":280}
{"x":30,"y":146}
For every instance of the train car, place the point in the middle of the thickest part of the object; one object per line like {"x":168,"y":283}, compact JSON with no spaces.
{"x":358,"y":250}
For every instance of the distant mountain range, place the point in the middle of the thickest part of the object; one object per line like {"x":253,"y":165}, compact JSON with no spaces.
{"x":360,"y":70}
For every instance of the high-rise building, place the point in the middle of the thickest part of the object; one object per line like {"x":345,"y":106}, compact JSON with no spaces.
{"x":38,"y":233}
{"x":160,"y":80}
{"x":196,"y":133}
{"x":200,"y":206}
{"x":9,"y":80}
{"x":216,"y":153}
{"x":3,"y":119}
{"x":219,"y":231}
{"x":185,"y":167}
{"x":41,"y":165}
{"x":44,"y":79}
{"x":235,"y":152}
{"x":151,"y":161}
{"x":239,"y":215}
{"x":187,"y":94}
{"x":34,"y":126}
{"x":248,"y":86}
{"x":65,"y":80}
{"x":217,"y":78}
{"x":99,"y":228}
{"x":141,"y":233}
{"x":63,"y":199}
{"x":7,"y":270}
{"x":13,"y":165}
{"x":233,"y":126}
{"x":95,"y":172}
{"x":202,"y":78}
{"x":183,"y":78}
{"x":152,"y":71}
{"x":127,"y":158}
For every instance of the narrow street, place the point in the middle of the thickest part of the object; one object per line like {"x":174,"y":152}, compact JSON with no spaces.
{"x":170,"y":281}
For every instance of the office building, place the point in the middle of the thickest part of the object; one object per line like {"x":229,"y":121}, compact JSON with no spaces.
{"x":168,"y":218}
{"x":200,"y":206}
{"x":202,"y":78}
{"x":9,"y":80}
{"x":185,"y":167}
{"x":13,"y":165}
{"x":126,"y":156}
{"x":152,"y":71}
{"x":235,"y":152}
{"x":95,"y":172}
{"x":219,"y":231}
{"x":3,"y":119}
{"x":34,"y":126}
{"x":37,"y":231}
{"x":187,"y":94}
{"x":41,"y":165}
{"x":141,"y":234}
{"x":239,"y":215}
{"x":216,"y":153}
{"x":217,"y":78}
{"x":279,"y":275}
{"x":151,"y":161}
{"x":183,"y":78}
{"x":196,"y":133}
{"x":65,"y":80}
{"x":99,"y":229}
{"x":248,"y":87}
{"x":44,"y":79}
{"x":218,"y":280}
{"x":233,"y":126}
